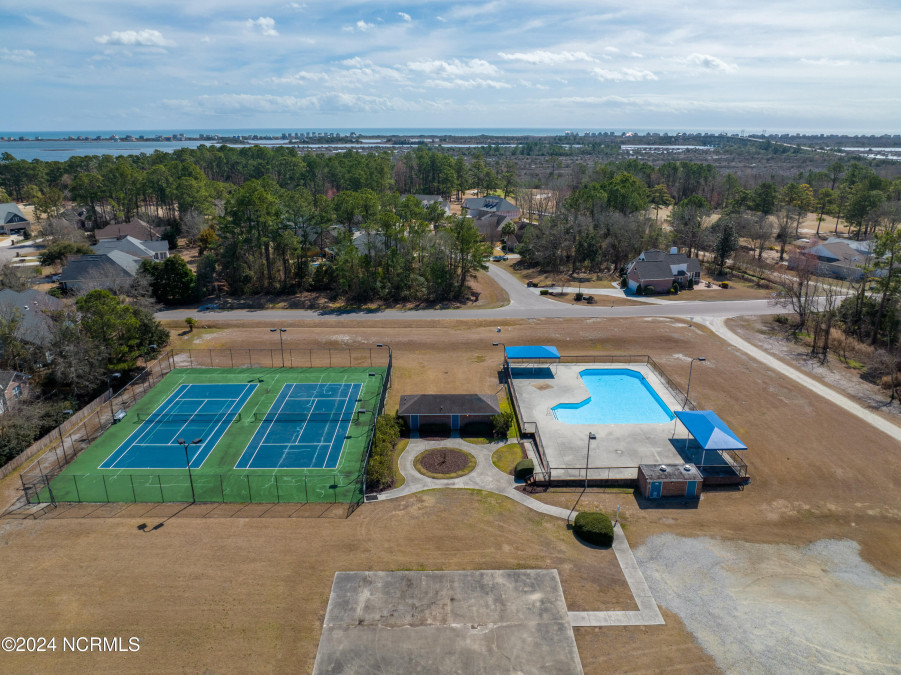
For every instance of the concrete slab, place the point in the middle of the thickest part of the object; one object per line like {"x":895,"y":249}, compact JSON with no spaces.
{"x":488,"y":621}
{"x":619,"y":448}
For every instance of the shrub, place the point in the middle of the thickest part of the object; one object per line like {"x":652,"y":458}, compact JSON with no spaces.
{"x":523,"y":469}
{"x":624,"y":283}
{"x":639,"y":290}
{"x":543,"y":291}
{"x":594,"y":528}
{"x":191,"y":322}
{"x":724,"y":284}
{"x":501,"y":423}
{"x":590,"y":300}
{"x":578,"y":297}
{"x":691,"y":282}
{"x":675,"y":289}
{"x":650,"y":290}
{"x":380,"y":469}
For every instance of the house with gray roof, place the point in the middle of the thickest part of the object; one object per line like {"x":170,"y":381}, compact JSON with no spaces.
{"x":661,"y":270}
{"x":12,"y":220}
{"x":111,"y":271}
{"x":33,"y":308}
{"x":428,"y":200}
{"x":481,"y":207}
{"x":153,"y":250}
{"x":453,"y":410}
{"x":839,"y":258}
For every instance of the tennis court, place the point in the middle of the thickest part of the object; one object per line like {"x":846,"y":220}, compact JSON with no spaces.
{"x":266,"y":435}
{"x":304,"y":429}
{"x":193,"y":411}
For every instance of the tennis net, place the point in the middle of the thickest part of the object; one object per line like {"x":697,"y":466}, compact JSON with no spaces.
{"x":189,"y":417}
{"x":301,"y":417}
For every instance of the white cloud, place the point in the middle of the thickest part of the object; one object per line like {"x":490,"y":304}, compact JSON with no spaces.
{"x":637,"y":55}
{"x":611,"y":50}
{"x":825,"y":62}
{"x":131,"y":38}
{"x":624,"y":75}
{"x":467,"y":84}
{"x":454,"y":67}
{"x":708,"y":62}
{"x":441,"y":19}
{"x":540,"y":57}
{"x":251,"y":104}
{"x":362,"y":26}
{"x":406,"y":17}
{"x":265,"y":24}
{"x":16,"y":55}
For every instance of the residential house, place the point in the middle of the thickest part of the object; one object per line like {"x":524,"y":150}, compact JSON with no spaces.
{"x":13,"y":387}
{"x":110,"y":271}
{"x":33,"y":308}
{"x":490,"y":226}
{"x":153,"y":250}
{"x":839,"y":258}
{"x":661,"y":270}
{"x":481,"y":207}
{"x":428,"y":200}
{"x":136,"y":228}
{"x":12,"y":220}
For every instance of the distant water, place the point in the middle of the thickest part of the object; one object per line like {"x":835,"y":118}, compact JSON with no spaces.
{"x":49,"y":151}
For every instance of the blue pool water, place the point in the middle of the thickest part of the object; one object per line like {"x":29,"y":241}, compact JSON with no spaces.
{"x":616,"y":397}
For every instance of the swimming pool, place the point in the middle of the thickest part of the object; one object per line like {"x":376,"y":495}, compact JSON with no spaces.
{"x":617,"y":396}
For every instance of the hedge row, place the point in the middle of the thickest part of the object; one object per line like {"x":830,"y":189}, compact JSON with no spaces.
{"x":594,"y":527}
{"x":380,"y":470}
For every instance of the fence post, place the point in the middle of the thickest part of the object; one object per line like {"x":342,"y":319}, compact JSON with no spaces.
{"x":159,"y":484}
{"x":221,"y":488}
{"x":231,"y":356}
{"x":278,"y":498}
{"x":249,"y":491}
{"x":75,"y":484}
{"x":105,"y":488}
{"x":191,"y":357}
{"x":306,"y":493}
{"x":134,"y":496}
{"x":211,"y":357}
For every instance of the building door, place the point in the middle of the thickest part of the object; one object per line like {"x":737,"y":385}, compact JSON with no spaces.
{"x":455,"y":421}
{"x":656,"y":487}
{"x":691,"y":488}
{"x":414,"y":422}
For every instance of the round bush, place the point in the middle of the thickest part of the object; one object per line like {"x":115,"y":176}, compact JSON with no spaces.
{"x":650,"y":290}
{"x":593,"y":527}
{"x":524,"y":468}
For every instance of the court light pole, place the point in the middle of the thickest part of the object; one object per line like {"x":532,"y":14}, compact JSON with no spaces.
{"x":109,"y":384}
{"x":184,"y":444}
{"x":390,"y":360}
{"x":280,"y":341}
{"x":688,"y":388}
{"x":59,"y":428}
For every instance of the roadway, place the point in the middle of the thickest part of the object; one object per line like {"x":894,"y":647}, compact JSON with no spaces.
{"x":525,"y":303}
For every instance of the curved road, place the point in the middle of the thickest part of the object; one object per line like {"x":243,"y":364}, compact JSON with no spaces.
{"x":524,"y":304}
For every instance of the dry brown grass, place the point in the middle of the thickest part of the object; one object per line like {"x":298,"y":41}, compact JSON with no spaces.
{"x":545,"y":279}
{"x":220,"y":593}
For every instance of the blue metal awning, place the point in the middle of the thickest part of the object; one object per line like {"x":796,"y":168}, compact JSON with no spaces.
{"x":709,"y":430}
{"x":532,"y":352}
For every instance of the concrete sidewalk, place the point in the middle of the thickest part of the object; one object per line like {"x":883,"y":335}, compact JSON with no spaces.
{"x":487,"y":477}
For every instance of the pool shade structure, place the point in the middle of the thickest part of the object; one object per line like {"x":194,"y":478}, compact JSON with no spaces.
{"x":710,"y":432}
{"x":532,"y":355}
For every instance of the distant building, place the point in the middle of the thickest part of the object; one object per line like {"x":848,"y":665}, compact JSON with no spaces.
{"x":153,"y":250}
{"x":111,"y":271}
{"x":481,"y":207}
{"x":839,"y":258}
{"x":454,"y":410}
{"x":33,"y":307}
{"x":661,"y":270}
{"x":12,"y":220}
{"x":136,"y":228}
{"x":13,"y":388}
{"x":428,"y":200}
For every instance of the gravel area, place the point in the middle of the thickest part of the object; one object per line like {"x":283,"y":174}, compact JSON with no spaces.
{"x":444,"y":461}
{"x":777,"y":608}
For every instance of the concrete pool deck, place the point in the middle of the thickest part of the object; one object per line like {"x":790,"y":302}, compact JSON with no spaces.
{"x":618,"y":446}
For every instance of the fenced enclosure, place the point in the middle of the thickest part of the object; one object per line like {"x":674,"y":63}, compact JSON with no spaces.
{"x":44,"y":481}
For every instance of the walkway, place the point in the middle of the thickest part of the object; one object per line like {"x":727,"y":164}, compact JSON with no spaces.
{"x":718,"y":326}
{"x":486,"y":477}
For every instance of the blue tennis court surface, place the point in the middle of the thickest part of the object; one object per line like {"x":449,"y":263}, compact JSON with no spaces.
{"x":191,"y":411}
{"x":304,"y":429}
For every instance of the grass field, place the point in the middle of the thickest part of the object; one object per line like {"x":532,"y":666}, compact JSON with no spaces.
{"x":103,"y":472}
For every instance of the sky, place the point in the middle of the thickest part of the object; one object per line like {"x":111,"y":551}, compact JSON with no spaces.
{"x":223,"y":64}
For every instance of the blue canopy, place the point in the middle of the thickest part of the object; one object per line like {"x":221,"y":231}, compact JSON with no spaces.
{"x":529,"y":352}
{"x":709,"y":430}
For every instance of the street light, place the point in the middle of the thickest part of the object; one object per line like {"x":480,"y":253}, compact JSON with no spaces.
{"x":591,"y":437}
{"x":390,"y":360}
{"x":688,"y":388}
{"x":280,"y":341}
{"x":184,"y":444}
{"x":109,"y":384}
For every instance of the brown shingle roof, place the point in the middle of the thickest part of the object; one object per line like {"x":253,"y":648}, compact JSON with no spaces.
{"x":448,"y":404}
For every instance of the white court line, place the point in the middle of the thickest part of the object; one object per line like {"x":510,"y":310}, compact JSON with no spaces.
{"x":250,"y":461}
{"x":347,"y":400}
{"x":205,"y":400}
{"x":216,"y":430}
{"x":142,"y":433}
